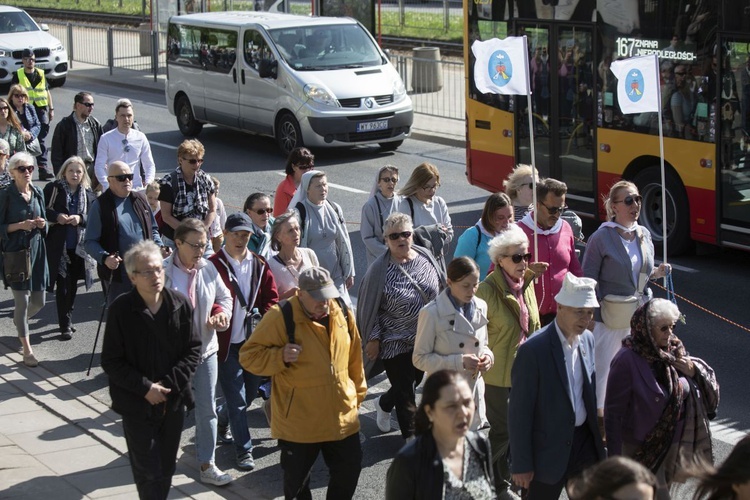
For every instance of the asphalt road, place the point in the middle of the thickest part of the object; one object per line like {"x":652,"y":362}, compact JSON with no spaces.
{"x":245,"y":164}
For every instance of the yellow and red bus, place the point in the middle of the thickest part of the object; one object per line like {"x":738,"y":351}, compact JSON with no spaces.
{"x":583,"y":139}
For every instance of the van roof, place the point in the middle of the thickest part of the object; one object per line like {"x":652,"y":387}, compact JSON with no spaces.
{"x":269,"y":20}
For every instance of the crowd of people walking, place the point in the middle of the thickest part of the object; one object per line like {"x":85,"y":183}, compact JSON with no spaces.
{"x":537,"y":365}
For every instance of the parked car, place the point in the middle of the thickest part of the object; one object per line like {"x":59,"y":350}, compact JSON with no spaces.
{"x":307,"y":81}
{"x":18,"y":31}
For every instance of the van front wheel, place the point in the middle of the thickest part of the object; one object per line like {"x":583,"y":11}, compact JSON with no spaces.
{"x":186,"y":121}
{"x":288,"y":134}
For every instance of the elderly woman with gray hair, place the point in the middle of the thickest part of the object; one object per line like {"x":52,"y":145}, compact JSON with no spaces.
{"x":324,"y":230}
{"x":382,"y":203}
{"x":395,"y":288}
{"x":23,"y":228}
{"x":513,"y":316}
{"x":659,"y":399}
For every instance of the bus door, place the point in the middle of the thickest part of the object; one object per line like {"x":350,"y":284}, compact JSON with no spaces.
{"x":564,"y":104}
{"x":733,"y":132}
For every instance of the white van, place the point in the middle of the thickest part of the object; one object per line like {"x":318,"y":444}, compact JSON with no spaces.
{"x":312,"y":81}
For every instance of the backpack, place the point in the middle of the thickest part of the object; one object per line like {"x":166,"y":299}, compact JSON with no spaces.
{"x":286,"y":311}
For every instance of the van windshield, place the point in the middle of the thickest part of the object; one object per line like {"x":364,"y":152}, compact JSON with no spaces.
{"x":326,"y":47}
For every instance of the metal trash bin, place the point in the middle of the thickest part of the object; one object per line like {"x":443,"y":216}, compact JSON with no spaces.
{"x":426,"y":75}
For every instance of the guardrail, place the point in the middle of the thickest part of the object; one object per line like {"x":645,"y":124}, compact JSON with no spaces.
{"x":435,"y":85}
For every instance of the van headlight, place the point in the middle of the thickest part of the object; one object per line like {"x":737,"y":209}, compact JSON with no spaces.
{"x":320,"y":95}
{"x":58,"y":48}
{"x":398,"y":88}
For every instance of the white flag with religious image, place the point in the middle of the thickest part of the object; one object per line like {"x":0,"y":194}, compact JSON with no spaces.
{"x":501,"y":66}
{"x":638,"y":89}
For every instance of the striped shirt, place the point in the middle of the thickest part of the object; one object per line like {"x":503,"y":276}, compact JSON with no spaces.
{"x":396,"y":326}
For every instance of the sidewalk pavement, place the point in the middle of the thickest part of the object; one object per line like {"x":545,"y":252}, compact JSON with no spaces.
{"x":448,"y":132}
{"x":57,"y":442}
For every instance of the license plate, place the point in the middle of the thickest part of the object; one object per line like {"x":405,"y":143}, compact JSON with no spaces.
{"x":371,"y":126}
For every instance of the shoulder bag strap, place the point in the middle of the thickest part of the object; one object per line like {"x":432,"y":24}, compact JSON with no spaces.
{"x":380,"y":211}
{"x":414,"y":283}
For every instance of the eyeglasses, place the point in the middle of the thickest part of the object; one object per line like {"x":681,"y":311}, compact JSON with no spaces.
{"x":262,"y":211}
{"x":25,"y":168}
{"x":87,"y":104}
{"x":196,"y":246}
{"x":630,"y":199}
{"x":517,"y":258}
{"x":122,"y":177}
{"x":305,"y":167}
{"x":126,"y":146}
{"x":150,"y":272}
{"x":403,"y":234}
{"x":3,"y":108}
{"x":389,"y":179}
{"x":193,"y":161}
{"x":554,"y":210}
{"x":22,"y":96}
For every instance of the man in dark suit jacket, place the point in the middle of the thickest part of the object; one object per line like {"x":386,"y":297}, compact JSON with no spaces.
{"x":552,"y":420}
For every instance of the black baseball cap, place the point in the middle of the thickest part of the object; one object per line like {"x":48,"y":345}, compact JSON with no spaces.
{"x":238,"y":221}
{"x":27,"y":53}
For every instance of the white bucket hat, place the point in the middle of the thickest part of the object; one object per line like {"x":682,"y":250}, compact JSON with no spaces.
{"x":577,"y":292}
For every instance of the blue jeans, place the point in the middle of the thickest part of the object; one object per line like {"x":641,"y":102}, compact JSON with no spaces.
{"x":204,"y":391}
{"x":240,"y":388}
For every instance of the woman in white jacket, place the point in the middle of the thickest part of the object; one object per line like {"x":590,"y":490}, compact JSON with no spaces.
{"x":188,"y":272}
{"x":452,"y":332}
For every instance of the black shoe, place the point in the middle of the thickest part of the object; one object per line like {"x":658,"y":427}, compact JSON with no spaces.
{"x":66,"y":334}
{"x":224,"y":434}
{"x":45,"y":175}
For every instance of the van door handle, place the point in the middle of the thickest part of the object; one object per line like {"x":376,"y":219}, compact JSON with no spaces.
{"x":242,"y":74}
{"x":234,"y":75}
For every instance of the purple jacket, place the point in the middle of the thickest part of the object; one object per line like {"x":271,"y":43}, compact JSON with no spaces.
{"x":634,"y":401}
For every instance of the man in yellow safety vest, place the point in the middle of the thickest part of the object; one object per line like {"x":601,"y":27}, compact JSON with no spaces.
{"x":33,"y":80}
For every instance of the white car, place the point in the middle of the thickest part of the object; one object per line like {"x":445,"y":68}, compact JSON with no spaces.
{"x":18,"y":31}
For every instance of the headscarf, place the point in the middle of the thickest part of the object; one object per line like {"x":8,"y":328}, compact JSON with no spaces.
{"x":301,"y":194}
{"x":654,"y":448}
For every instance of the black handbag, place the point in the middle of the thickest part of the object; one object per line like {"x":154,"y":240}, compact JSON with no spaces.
{"x":17,"y":266}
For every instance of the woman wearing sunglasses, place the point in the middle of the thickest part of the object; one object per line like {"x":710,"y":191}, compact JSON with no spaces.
{"x":69,"y":199}
{"x":10,"y":129}
{"x":27,"y":117}
{"x":22,"y":226}
{"x":258,"y":207}
{"x":299,"y":161}
{"x":519,"y":185}
{"x":395,"y":288}
{"x":382,"y":203}
{"x":513,"y":316}
{"x":659,"y":399}
{"x":620,"y":257}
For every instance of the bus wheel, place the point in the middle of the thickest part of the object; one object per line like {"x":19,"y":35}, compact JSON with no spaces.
{"x":288,"y":134}
{"x":678,"y":211}
{"x":186,"y":121}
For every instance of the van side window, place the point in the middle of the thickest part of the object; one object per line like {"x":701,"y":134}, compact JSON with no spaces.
{"x":211,"y":49}
{"x":256,"y":48}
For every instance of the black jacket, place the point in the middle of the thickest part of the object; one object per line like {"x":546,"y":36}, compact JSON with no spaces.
{"x":417,"y":471}
{"x":54,"y":194}
{"x":65,"y":139}
{"x":133,"y":346}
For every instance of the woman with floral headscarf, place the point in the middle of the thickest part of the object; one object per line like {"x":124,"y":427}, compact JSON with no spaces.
{"x":659,"y":399}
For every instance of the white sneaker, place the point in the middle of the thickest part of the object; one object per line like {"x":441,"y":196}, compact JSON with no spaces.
{"x":383,"y":417}
{"x":214,"y":476}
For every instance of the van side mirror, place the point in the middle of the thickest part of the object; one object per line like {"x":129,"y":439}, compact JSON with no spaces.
{"x":267,"y":68}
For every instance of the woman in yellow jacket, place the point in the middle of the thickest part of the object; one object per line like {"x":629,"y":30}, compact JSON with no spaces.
{"x":318,"y":384}
{"x":513,"y":316}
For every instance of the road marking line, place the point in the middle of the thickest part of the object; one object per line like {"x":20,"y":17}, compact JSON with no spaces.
{"x":337,"y":186}
{"x":168,"y":146}
{"x":727,"y":432}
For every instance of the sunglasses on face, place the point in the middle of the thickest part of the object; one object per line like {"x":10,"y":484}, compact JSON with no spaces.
{"x":530,"y":184}
{"x":554,"y":210}
{"x":630,"y":199}
{"x":262,"y":211}
{"x":3,"y":108}
{"x":304,"y":167}
{"x":403,"y":234}
{"x":517,"y":258}
{"x":87,"y":104}
{"x":25,"y":168}
{"x":389,"y":179}
{"x":194,"y":161}
{"x":122,"y":177}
